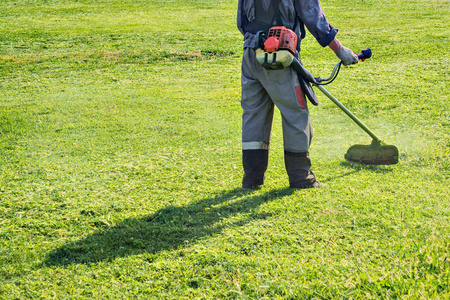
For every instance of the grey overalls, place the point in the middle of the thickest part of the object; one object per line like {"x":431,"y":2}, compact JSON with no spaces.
{"x":262,"y":89}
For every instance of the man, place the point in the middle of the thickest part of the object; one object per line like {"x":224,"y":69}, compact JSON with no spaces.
{"x":262,"y":89}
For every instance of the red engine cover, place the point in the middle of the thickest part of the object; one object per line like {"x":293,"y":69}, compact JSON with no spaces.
{"x":281,"y":38}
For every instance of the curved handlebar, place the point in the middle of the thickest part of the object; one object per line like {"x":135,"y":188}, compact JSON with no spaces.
{"x":298,"y":67}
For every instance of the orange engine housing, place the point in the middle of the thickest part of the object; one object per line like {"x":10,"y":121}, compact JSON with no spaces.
{"x":281,"y":38}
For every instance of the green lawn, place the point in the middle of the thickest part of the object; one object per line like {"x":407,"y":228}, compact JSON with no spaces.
{"x":120,"y":157}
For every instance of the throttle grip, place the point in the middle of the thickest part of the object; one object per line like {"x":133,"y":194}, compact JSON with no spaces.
{"x":365,"y":54}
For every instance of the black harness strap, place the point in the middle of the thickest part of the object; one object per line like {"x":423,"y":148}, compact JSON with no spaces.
{"x":265,"y":19}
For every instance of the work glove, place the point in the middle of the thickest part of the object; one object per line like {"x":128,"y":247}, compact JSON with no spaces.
{"x":347,"y":56}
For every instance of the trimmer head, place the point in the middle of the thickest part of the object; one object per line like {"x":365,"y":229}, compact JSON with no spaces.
{"x":373,"y":154}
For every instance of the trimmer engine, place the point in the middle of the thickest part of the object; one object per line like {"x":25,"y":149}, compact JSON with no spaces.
{"x":278,"y":49}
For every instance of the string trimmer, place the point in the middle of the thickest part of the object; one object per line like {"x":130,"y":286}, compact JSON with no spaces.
{"x":277,"y":50}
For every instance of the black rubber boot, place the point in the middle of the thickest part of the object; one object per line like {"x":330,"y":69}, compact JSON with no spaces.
{"x":298,"y":167}
{"x":255,"y":165}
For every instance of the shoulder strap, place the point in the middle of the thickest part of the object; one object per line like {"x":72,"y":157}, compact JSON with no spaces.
{"x":277,"y":14}
{"x":265,"y":18}
{"x":299,"y":22}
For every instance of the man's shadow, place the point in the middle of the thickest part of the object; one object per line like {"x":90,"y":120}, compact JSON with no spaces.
{"x":166,"y":229}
